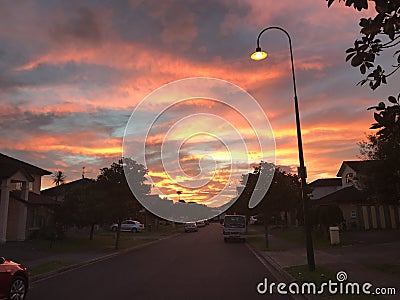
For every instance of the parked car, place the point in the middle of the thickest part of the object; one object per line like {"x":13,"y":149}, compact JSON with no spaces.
{"x":128,"y":225}
{"x":200,"y":223}
{"x":190,"y":226}
{"x":235,"y":227}
{"x":14,"y":280}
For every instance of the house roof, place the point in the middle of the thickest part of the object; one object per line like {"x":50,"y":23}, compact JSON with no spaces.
{"x":361,"y":166}
{"x":33,"y":198}
{"x":326,"y":182}
{"x":60,"y":189}
{"x":346,"y":195}
{"x":10,"y":163}
{"x":7,"y":171}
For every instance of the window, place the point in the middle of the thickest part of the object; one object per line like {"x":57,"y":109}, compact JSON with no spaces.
{"x":353,"y":214}
{"x":18,"y":186}
{"x":349,"y":177}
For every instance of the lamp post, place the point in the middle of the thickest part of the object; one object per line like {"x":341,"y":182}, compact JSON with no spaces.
{"x":260,"y":55}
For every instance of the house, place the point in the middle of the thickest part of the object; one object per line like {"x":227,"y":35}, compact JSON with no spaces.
{"x":23,"y":210}
{"x":58,"y":192}
{"x":356,"y":171}
{"x":360,"y":209}
{"x":324,"y":186}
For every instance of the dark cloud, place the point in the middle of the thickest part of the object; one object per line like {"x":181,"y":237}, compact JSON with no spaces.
{"x":81,"y":26}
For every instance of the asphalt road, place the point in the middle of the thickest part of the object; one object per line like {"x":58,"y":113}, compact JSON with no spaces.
{"x":195,"y":265}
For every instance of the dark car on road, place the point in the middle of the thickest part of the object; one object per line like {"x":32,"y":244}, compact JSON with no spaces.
{"x":190,"y":226}
{"x":14,"y":280}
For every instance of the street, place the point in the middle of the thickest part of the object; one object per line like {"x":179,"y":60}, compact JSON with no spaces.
{"x":195,"y":265}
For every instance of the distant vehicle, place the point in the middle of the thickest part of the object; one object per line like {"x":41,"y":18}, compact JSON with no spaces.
{"x":200,"y":223}
{"x":14,"y":280}
{"x":190,"y":226}
{"x":235,"y":228}
{"x":128,"y":225}
{"x":253,"y":220}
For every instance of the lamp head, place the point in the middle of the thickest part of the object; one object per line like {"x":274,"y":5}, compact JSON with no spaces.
{"x":259,"y":54}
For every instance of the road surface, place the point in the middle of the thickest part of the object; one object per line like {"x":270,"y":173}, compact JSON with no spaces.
{"x":196,"y":265}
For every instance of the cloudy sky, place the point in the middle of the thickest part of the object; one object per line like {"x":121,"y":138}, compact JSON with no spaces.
{"x":72,"y":72}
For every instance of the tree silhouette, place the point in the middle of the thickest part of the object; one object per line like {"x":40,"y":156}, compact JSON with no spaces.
{"x":58,"y":177}
{"x":379,"y":33}
{"x":112,"y":182}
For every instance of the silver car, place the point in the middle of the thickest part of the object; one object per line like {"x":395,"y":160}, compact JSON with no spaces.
{"x":129,"y":225}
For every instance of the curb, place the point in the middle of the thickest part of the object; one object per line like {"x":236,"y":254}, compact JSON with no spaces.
{"x":277,"y":271}
{"x":41,"y":277}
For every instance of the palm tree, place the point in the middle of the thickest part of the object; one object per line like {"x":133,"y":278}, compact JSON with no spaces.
{"x":58,"y":178}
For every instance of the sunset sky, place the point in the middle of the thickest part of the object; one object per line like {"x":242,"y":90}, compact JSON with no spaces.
{"x":72,"y":72}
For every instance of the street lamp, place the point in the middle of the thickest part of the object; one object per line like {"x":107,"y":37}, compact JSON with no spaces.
{"x":260,"y":55}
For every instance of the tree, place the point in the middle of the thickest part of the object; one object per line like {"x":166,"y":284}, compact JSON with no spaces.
{"x":283,"y":194}
{"x":379,"y":33}
{"x":384,"y":146}
{"x":58,"y":177}
{"x":116,"y":192}
{"x":82,"y":206}
{"x":327,"y":215}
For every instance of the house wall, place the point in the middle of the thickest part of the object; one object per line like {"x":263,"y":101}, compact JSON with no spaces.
{"x":38,"y":217}
{"x":37,"y":183}
{"x":350,"y":215}
{"x":346,"y":171}
{"x":12,"y":221}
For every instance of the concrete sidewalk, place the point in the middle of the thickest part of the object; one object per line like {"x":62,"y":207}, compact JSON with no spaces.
{"x":360,"y":260}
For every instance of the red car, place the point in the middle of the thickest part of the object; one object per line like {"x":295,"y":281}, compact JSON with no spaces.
{"x":14,"y":280}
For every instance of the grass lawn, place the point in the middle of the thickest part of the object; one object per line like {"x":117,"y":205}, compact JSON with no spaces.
{"x":102,"y":242}
{"x":259,"y":243}
{"x":321,"y":275}
{"x":47,"y":267}
{"x":297,"y":236}
{"x":392,"y":269}
{"x":294,"y":235}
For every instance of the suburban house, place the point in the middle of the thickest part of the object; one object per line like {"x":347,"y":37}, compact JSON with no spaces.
{"x":324,"y":186}
{"x":23,"y":210}
{"x":58,"y":192}
{"x":360,"y":210}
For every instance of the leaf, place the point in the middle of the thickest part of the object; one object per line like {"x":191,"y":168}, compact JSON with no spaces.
{"x":369,"y":64}
{"x":392,"y":99}
{"x":350,"y":56}
{"x":357,"y":60}
{"x":362,"y":82}
{"x":363,"y":69}
{"x":370,"y":57}
{"x":364,"y":22}
{"x":376,"y":126}
{"x":381,"y":106}
{"x":378,"y":118}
